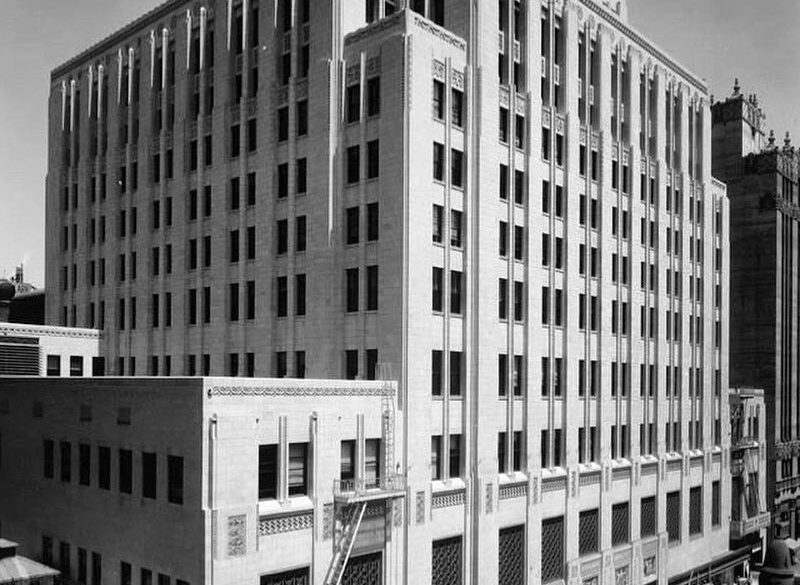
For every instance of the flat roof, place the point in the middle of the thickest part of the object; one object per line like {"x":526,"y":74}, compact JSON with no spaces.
{"x":218,"y":386}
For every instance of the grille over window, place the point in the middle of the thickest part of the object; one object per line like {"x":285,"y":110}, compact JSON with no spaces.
{"x":511,"y":566}
{"x":552,"y":549}
{"x":648,"y":516}
{"x":674,"y":516}
{"x":587,"y":532}
{"x":620,"y":524}
{"x":446,"y":565}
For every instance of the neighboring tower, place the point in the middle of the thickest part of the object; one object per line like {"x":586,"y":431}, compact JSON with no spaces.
{"x":738,"y":131}
{"x":762,"y":181}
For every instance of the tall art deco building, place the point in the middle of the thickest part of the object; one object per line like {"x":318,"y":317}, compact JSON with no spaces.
{"x":507,"y":206}
{"x":762,"y":178}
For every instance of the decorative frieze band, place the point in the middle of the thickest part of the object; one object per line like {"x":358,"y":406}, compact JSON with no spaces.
{"x":299,"y":391}
{"x":268,"y":525}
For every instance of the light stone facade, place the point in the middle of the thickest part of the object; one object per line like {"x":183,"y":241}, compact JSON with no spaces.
{"x":48,"y":350}
{"x":576,"y":157}
{"x":218,"y":530}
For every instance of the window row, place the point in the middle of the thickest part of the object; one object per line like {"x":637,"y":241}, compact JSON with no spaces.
{"x":146,"y":469}
{"x":82,"y":574}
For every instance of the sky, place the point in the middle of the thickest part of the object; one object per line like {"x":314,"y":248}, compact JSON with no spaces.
{"x":758,"y":42}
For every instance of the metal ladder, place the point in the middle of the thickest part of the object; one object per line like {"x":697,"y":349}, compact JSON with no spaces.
{"x":388,"y":409}
{"x":388,"y":435}
{"x":345,"y":546}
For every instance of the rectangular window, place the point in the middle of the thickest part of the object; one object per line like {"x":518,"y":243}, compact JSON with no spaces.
{"x":283,"y":180}
{"x":283,"y":124}
{"x":455,"y":373}
{"x":347,"y":465}
{"x":436,"y":372}
{"x":233,"y":301}
{"x":84,"y":464}
{"x":267,"y":472}
{"x":104,"y":468}
{"x":715,"y":504}
{"x":552,"y":549}
{"x":455,"y":228}
{"x":454,"y":458}
{"x":674,"y":516}
{"x":301,"y":184}
{"x":175,"y":479}
{"x":353,"y":164}
{"x":696,"y":510}
{"x":53,"y":365}
{"x":149,"y":475}
{"x":282,"y":293}
{"x":438,"y":162}
{"x":351,"y":280}
{"x":97,"y":569}
{"x":438,"y":223}
{"x":437,"y":288}
{"x":373,"y":159}
{"x":126,"y":471}
{"x":298,"y":469}
{"x":372,"y":288}
{"x":125,"y":573}
{"x":300,"y":233}
{"x":457,"y":107}
{"x":438,"y":100}
{"x":372,"y":462}
{"x":457,"y":168}
{"x":588,"y":529}
{"x":455,"y":292}
{"x":66,"y":461}
{"x":447,"y":560}
{"x":620,"y":524}
{"x":302,"y":117}
{"x":299,"y":294}
{"x":353,"y":103}
{"x":351,"y":364}
{"x":436,"y":462}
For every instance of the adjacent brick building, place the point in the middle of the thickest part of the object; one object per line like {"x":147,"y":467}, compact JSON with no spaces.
{"x":508,"y":206}
{"x":762,"y":178}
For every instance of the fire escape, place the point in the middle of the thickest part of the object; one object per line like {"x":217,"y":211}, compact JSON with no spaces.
{"x":351,"y":498}
{"x":747,"y":512}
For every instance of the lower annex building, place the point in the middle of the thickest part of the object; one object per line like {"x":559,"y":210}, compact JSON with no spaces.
{"x":283,"y":482}
{"x":510,"y":202}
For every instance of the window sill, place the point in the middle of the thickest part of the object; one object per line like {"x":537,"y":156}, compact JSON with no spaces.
{"x":511,"y":477}
{"x":449,"y":485}
{"x":292,"y":504}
